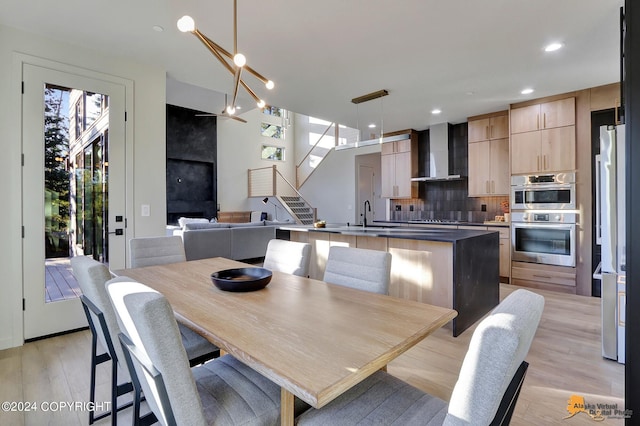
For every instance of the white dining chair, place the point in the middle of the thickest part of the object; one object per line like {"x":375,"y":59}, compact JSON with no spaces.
{"x":486,"y":392}
{"x":357,"y":268}
{"x":149,"y":251}
{"x":225,"y":391}
{"x":290,"y":257}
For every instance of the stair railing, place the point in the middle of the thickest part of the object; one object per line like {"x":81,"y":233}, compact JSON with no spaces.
{"x":263,"y":182}
{"x":299,"y":183}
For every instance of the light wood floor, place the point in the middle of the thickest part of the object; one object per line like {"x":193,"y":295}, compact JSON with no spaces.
{"x":564,"y":360}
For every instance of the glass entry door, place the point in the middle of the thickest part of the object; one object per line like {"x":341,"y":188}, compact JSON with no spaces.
{"x":68,"y":124}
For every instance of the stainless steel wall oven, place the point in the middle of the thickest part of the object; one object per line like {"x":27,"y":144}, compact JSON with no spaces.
{"x":547,"y":237}
{"x":555,"y":191}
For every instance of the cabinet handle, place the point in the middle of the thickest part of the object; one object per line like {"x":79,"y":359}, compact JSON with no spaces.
{"x":537,"y":121}
{"x":544,"y":120}
{"x":493,"y":187}
{"x":487,"y":132}
{"x":537,"y":162}
{"x":542,"y":276}
{"x":546,"y":163}
{"x":487,"y":186}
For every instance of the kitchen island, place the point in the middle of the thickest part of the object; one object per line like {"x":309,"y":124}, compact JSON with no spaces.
{"x":452,"y":268}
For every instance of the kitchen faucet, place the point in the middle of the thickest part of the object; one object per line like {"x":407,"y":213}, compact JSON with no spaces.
{"x":364,"y":213}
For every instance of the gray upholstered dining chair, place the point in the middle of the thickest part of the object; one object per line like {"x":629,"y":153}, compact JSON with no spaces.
{"x":222,"y":392}
{"x":290,"y":257}
{"x":486,"y":391}
{"x":357,"y":268}
{"x":92,"y":276}
{"x":149,"y":251}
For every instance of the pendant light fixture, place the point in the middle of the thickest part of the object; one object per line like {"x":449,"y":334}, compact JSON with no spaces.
{"x":366,"y":98}
{"x":234,"y":62}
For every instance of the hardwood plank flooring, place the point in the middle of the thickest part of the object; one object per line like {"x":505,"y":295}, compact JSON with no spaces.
{"x":564,"y":359}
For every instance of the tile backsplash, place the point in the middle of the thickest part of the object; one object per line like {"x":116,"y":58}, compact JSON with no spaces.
{"x":446,"y":200}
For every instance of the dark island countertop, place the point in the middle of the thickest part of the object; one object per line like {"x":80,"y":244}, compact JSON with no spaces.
{"x":442,"y":234}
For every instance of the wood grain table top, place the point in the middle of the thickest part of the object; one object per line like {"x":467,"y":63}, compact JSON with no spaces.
{"x":314,"y":339}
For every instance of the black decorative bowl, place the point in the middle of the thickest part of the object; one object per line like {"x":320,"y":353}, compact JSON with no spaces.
{"x":241,"y":279}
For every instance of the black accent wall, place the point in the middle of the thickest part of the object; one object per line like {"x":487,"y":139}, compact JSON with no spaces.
{"x":191,"y":164}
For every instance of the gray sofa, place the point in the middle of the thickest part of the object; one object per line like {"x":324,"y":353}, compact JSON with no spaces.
{"x":236,"y":241}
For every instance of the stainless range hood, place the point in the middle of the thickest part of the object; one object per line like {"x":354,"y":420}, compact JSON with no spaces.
{"x":438,"y":155}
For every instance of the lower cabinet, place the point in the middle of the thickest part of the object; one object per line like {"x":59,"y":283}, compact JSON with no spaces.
{"x":420,"y":270}
{"x":545,"y":277}
{"x":505,"y":251}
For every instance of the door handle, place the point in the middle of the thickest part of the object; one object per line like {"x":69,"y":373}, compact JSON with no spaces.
{"x":118,"y":231}
{"x":598,"y":195}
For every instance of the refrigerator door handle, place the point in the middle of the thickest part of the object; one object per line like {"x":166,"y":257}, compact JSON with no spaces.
{"x":598,"y":196}
{"x":597,"y":274}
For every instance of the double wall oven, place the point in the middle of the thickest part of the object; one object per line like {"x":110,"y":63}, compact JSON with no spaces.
{"x":543,"y":230}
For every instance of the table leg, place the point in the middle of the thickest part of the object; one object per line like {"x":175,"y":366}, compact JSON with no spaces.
{"x":286,"y":407}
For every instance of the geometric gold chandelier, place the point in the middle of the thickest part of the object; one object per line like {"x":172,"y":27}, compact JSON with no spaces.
{"x":234,"y":63}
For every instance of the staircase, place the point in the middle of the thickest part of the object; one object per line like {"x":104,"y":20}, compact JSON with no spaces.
{"x":298,"y":208}
{"x":269,"y":182}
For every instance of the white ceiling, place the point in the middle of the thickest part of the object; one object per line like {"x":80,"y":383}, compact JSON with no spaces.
{"x":466,"y":57}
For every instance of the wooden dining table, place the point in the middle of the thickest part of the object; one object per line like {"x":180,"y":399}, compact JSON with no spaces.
{"x":315,"y":340}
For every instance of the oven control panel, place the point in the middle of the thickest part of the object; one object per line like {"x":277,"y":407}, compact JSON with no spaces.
{"x":543,"y":217}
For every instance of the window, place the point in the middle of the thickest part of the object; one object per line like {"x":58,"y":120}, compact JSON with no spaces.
{"x":272,"y":153}
{"x":274,"y":111}
{"x":272,"y":131}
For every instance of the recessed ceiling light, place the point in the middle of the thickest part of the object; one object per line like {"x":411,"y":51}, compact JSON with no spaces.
{"x":436,"y":111}
{"x":553,"y":47}
{"x":527,"y":91}
{"x":158,"y":28}
{"x":372,"y":126}
{"x":470,"y":93}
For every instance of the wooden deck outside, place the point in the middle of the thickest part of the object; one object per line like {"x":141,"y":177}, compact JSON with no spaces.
{"x":60,"y":284}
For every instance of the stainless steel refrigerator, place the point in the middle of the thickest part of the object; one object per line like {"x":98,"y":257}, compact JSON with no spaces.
{"x":610,"y":234}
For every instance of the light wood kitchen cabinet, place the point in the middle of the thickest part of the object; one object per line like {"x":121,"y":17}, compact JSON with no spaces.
{"x":547,"y":115}
{"x":489,"y":128}
{"x":488,"y":155}
{"x":505,"y":250}
{"x":548,"y":150}
{"x":489,"y":168}
{"x":399,"y":163}
{"x":545,"y":277}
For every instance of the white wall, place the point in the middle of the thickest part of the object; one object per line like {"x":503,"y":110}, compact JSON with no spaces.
{"x":332,"y":187}
{"x":145,"y":186}
{"x":239,"y":149}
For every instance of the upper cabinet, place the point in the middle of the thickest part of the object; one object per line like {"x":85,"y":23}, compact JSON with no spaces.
{"x":484,"y":129}
{"x":489,"y":155}
{"x":400,"y":164}
{"x":543,"y":137}
{"x":544,"y":116}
